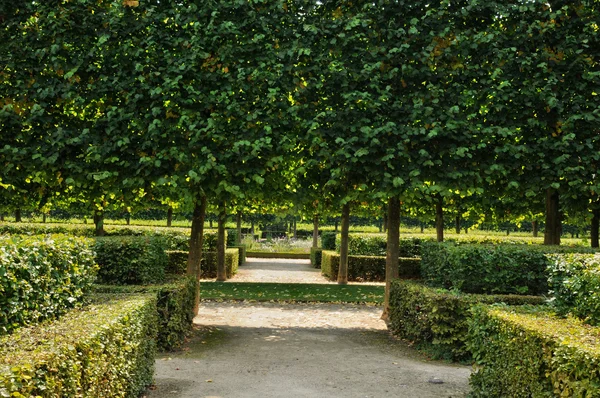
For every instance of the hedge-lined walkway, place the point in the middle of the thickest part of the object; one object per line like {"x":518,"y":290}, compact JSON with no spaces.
{"x":279,"y":270}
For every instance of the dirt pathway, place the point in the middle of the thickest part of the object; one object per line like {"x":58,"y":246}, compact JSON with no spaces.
{"x":241,"y":350}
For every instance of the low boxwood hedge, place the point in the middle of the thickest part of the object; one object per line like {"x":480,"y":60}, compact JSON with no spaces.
{"x":376,"y":245}
{"x":316,"y":254}
{"x":105,"y":349}
{"x":366,"y":268}
{"x":531,"y":353}
{"x":574,"y":280}
{"x":242,"y":254}
{"x":437,"y":319}
{"x":42,"y":277}
{"x":175,"y":307}
{"x":131,"y":260}
{"x":208,"y":268}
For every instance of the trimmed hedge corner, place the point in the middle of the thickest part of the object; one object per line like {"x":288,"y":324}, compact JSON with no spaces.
{"x":366,"y":268}
{"x":208,"y":268}
{"x":328,"y":240}
{"x":315,"y":256}
{"x":42,"y":277}
{"x":177,"y":263}
{"x":531,"y":353}
{"x":131,"y":260}
{"x":103,"y":350}
{"x":242,"y":255}
{"x":436,"y":319}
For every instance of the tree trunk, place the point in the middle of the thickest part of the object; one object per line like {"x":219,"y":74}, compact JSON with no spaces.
{"x":315,"y":231}
{"x":99,"y":222}
{"x":457,"y":224}
{"x":294,"y":229}
{"x":343,"y":270}
{"x":380,"y":225}
{"x":44,"y":218}
{"x":553,"y":219}
{"x":385,"y":220}
{"x":595,"y":226}
{"x":210,"y":223}
{"x":221,"y":271}
{"x":422,"y":228}
{"x":392,"y":255}
{"x":439,"y":219}
{"x":170,"y":217}
{"x":18,"y":215}
{"x":197,"y":237}
{"x":2,"y":217}
{"x":238,"y":239}
{"x":534,"y":227}
{"x":128,"y":218}
{"x":336,"y":225}
{"x":252,"y":228}
{"x":507,"y":231}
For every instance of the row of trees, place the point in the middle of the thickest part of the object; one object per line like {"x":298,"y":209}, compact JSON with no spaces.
{"x":463,"y":104}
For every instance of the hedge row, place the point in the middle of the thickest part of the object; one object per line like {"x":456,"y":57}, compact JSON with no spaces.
{"x":531,"y":353}
{"x":177,"y":263}
{"x":437,"y":319}
{"x":574,"y":281}
{"x":366,"y":268}
{"x":105,"y":349}
{"x":175,"y":307}
{"x":376,"y":245}
{"x":242,"y":254}
{"x":42,"y":277}
{"x":316,"y":255}
{"x":495,"y":269}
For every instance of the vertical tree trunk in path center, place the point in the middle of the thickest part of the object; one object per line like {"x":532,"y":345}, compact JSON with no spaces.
{"x":553,"y":218}
{"x":595,"y":225}
{"x":534,"y":227}
{"x":221,"y":271}
{"x":439,"y":219}
{"x":392,"y":254}
{"x":44,"y":218}
{"x":99,"y":222}
{"x":315,"y":243}
{"x":238,"y":239}
{"x":128,"y":219}
{"x":194,"y":266}
{"x":169,"y":216}
{"x":343,"y":270}
{"x":457,"y":224}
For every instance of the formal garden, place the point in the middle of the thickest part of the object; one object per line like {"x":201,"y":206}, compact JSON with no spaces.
{"x":437,"y":159}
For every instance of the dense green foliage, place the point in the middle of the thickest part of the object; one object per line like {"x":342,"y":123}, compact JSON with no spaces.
{"x":292,"y":292}
{"x":376,"y":245}
{"x":242,"y":255}
{"x":366,"y":268}
{"x":42,"y":277}
{"x":105,"y":349}
{"x":316,"y":254}
{"x":208,"y":268}
{"x":437,"y":319}
{"x":175,"y":302}
{"x":131,"y":260}
{"x":328,"y":240}
{"x":531,"y":353}
{"x":498,"y":269}
{"x":574,"y":281}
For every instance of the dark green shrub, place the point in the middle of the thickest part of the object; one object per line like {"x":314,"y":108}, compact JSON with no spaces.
{"x":42,"y":277}
{"x":208,"y":269}
{"x":366,"y":268}
{"x":177,"y":263}
{"x":46,"y":229}
{"x":500,"y":269}
{"x":231,"y":237}
{"x":131,"y":260}
{"x":376,"y":245}
{"x":315,"y":256}
{"x":103,"y":350}
{"x":328,"y":240}
{"x":242,"y":254}
{"x":436,"y":319}
{"x":574,"y":280}
{"x":530,"y":353}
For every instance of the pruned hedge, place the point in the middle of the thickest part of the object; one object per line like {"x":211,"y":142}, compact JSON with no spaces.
{"x":131,"y":260}
{"x":105,"y":349}
{"x":574,"y":280}
{"x":531,"y":353}
{"x":376,"y":245}
{"x":316,"y":254}
{"x":366,"y":268}
{"x":208,"y":269}
{"x":42,"y":277}
{"x":437,"y":319}
{"x":175,"y":307}
{"x":495,"y":269}
{"x":242,"y":254}
{"x":328,"y":240}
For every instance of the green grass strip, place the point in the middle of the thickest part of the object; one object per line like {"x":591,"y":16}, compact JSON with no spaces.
{"x":292,"y":292}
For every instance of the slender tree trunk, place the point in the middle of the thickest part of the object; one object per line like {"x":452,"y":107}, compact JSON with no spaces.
{"x":99,"y":222}
{"x":595,"y":225}
{"x":18,"y":215}
{"x":315,"y":243}
{"x":197,"y":237}
{"x":2,"y":217}
{"x":385,"y":219}
{"x":392,"y":255}
{"x":238,"y":239}
{"x":210,"y":223}
{"x":466,"y":230}
{"x":343,"y":271}
{"x":128,"y":218}
{"x":44,"y":218}
{"x":439,"y":219}
{"x":294,"y":229}
{"x":170,"y":217}
{"x":221,"y":271}
{"x":534,"y":227}
{"x":336,"y":225}
{"x":457,"y":224}
{"x":252,"y":228}
{"x":507,"y":231}
{"x":380,"y":225}
{"x":422,"y":228}
{"x":553,"y":219}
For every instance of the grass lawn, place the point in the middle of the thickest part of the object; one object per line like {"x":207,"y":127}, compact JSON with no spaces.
{"x":291,"y":292}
